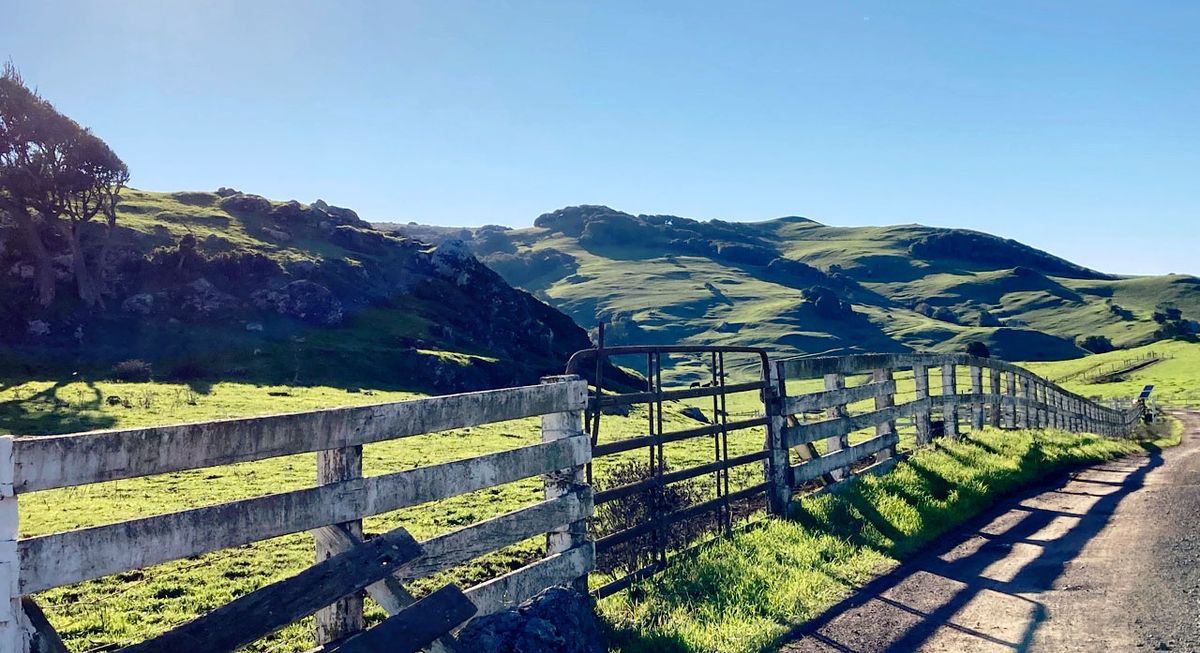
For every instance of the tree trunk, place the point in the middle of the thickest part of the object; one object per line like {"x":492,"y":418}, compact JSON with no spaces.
{"x":43,"y":265}
{"x":84,"y":281}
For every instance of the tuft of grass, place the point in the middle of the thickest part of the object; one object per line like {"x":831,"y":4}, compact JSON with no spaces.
{"x":742,"y":594}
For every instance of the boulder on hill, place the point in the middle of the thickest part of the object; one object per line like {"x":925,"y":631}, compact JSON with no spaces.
{"x":303,"y":299}
{"x":245,"y":203}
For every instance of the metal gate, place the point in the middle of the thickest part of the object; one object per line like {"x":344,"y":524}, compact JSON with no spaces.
{"x":655,"y":510}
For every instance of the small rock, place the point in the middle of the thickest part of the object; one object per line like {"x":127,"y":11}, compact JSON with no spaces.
{"x":38,"y":328}
{"x":140,"y":304}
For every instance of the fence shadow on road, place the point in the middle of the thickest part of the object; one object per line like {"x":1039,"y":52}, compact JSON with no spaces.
{"x":955,"y":594}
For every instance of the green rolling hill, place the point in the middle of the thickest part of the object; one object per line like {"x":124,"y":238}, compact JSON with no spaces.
{"x":799,"y":286}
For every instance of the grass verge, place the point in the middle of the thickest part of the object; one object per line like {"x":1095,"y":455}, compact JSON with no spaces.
{"x":741,"y":595}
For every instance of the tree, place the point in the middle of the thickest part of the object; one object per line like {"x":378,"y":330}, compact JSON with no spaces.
{"x":1096,"y":344}
{"x":55,"y":176}
{"x":978,"y":349}
{"x":986,"y":319}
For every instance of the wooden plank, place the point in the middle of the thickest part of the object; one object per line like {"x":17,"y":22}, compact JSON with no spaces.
{"x":65,"y":460}
{"x":564,"y":536}
{"x":345,"y":616}
{"x":798,"y":434}
{"x":465,"y":544}
{"x":66,"y":558}
{"x":883,"y":402}
{"x":415,"y":628}
{"x":950,"y":395}
{"x":921,"y":419}
{"x":839,"y":440}
{"x":263,"y":611}
{"x":44,"y":638}
{"x":392,"y":596}
{"x":832,"y":398}
{"x":815,"y":367}
{"x":810,"y":470}
{"x":515,"y":587}
{"x":682,"y":393}
{"x":780,"y":493}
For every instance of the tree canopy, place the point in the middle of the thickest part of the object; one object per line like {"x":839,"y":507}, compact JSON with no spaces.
{"x":55,"y":176}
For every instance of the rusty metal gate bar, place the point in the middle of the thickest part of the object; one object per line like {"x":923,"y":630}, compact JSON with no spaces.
{"x":659,"y":520}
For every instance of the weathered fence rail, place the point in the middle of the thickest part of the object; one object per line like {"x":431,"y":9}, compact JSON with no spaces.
{"x":810,"y":437}
{"x":1012,"y":397}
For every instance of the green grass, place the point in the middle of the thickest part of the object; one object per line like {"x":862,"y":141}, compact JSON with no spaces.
{"x":741,"y":595}
{"x":1175,"y":380}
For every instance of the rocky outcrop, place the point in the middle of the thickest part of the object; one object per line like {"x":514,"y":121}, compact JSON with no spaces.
{"x":245,"y":203}
{"x":558,"y":620}
{"x":304,"y":300}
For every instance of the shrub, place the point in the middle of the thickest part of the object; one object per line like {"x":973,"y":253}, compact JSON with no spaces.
{"x":132,"y":370}
{"x":978,"y":349}
{"x":1096,"y":344}
{"x":641,"y":508}
{"x":945,"y":314}
{"x":986,"y":319}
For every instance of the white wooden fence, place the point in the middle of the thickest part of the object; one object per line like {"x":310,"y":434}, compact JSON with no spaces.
{"x":332,"y":510}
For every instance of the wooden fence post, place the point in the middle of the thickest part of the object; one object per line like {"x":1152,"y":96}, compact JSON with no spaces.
{"x":950,"y":409}
{"x":976,"y":398}
{"x":882,"y":402}
{"x":345,"y":616}
{"x":13,"y":635}
{"x":1012,"y":393}
{"x":836,"y":442}
{"x":1028,"y":410}
{"x":996,"y":390}
{"x":921,"y":379}
{"x":778,"y":472}
{"x":557,"y":426}
{"x":1038,"y":394}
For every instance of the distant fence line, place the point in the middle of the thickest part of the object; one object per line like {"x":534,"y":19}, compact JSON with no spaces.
{"x":333,"y":510}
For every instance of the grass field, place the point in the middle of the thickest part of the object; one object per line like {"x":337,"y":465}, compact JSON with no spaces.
{"x":741,"y":595}
{"x":1175,"y":380}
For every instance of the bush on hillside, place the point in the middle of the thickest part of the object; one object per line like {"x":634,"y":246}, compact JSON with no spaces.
{"x":945,"y":315}
{"x":986,"y":319}
{"x":978,"y":349}
{"x":827,"y":304}
{"x":1096,"y":344}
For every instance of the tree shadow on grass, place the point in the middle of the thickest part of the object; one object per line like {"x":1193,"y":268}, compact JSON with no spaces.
{"x":44,"y":413}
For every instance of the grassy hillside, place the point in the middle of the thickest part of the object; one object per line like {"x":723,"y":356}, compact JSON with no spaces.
{"x":668,"y":279}
{"x":229,"y":286}
{"x":1176,"y":379}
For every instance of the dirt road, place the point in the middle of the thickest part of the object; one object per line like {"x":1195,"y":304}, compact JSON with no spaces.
{"x":1107,"y":559}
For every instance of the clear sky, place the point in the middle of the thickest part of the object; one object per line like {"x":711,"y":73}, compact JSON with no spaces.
{"x":1072,"y":126}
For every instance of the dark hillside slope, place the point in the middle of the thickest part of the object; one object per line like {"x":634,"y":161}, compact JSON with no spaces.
{"x":231,"y":285}
{"x":657,"y":278}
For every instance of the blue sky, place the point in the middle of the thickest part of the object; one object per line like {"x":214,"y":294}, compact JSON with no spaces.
{"x":1071,"y":126}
